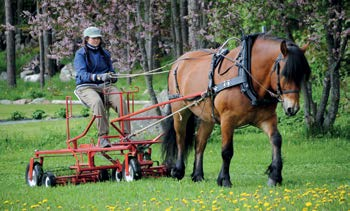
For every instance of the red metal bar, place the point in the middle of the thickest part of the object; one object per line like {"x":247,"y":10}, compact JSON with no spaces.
{"x":74,"y":140}
{"x":157,"y":105}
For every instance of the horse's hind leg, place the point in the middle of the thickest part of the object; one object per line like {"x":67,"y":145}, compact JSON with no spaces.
{"x":203,"y":133}
{"x":275,"y":169}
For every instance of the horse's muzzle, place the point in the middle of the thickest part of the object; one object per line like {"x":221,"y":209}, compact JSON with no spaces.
{"x":290,"y":108}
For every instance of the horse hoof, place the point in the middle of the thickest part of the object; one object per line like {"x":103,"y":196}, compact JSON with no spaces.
{"x":175,"y":173}
{"x":224,"y":183}
{"x":271,"y":182}
{"x":197,"y":178}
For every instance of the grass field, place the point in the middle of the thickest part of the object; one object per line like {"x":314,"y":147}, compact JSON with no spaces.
{"x":316,"y":175}
{"x":316,"y":169}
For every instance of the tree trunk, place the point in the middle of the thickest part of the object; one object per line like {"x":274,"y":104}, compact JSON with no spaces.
{"x":42,"y":52}
{"x":177,"y":29}
{"x":183,"y":22}
{"x":10,"y":45}
{"x":146,"y":46}
{"x":323,"y":118}
{"x":193,"y":12}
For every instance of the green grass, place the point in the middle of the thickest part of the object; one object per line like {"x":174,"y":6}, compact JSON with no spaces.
{"x":316,"y":175}
{"x":316,"y":169}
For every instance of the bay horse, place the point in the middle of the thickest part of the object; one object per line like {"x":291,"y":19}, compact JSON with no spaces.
{"x":243,"y":95}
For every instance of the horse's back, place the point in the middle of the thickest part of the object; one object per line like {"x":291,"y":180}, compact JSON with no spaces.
{"x":190,"y":73}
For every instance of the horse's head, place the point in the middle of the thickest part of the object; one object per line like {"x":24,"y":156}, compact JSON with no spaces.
{"x":291,"y":68}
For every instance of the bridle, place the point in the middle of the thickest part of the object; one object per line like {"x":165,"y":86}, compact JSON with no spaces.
{"x":279,"y":91}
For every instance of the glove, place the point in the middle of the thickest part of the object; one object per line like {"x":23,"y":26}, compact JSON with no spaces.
{"x":103,"y":77}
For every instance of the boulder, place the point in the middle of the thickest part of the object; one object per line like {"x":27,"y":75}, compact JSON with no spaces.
{"x":6,"y":102}
{"x":3,"y":76}
{"x":26,"y":72}
{"x":67,"y":73}
{"x":21,"y":101}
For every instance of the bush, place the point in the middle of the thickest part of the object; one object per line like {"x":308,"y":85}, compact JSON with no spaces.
{"x":38,"y":114}
{"x":61,"y":113}
{"x":36,"y":94}
{"x":85,"y":112}
{"x":17,"y":115}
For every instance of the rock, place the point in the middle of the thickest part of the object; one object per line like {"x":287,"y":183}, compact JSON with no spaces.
{"x":33,"y":78}
{"x":67,"y":73}
{"x":3,"y":76}
{"x":6,"y":102}
{"x":40,"y":101}
{"x":21,"y":101}
{"x":26,"y":72}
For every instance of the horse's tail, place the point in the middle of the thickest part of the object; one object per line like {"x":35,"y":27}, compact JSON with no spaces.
{"x":169,"y":146}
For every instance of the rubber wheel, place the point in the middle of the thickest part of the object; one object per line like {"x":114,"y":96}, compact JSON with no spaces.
{"x":147,"y":156}
{"x":117,"y":175}
{"x":37,"y":175}
{"x":49,"y":180}
{"x":134,"y":170}
{"x":103,"y":175}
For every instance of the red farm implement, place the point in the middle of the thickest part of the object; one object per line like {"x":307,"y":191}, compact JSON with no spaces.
{"x":127,"y":159}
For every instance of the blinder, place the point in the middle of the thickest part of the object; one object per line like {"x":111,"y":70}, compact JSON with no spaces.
{"x":277,"y":69}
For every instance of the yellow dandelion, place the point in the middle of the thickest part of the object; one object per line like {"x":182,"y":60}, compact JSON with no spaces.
{"x":231,"y":193}
{"x":59,"y":207}
{"x":6,"y":202}
{"x":266,"y":204}
{"x":308,"y":204}
{"x":153,"y":199}
{"x":184,"y":201}
{"x":169,"y":208}
{"x":44,"y":200}
{"x":34,"y":206}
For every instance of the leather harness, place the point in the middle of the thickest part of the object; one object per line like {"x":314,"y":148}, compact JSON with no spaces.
{"x":244,"y":79}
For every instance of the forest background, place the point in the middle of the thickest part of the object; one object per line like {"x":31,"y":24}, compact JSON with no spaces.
{"x":141,"y":34}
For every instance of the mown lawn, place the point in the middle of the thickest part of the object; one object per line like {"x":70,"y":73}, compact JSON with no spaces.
{"x":316,"y":175}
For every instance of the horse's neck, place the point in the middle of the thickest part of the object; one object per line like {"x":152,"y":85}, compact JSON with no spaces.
{"x":264,"y":55}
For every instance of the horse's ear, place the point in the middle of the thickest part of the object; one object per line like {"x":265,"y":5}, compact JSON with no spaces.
{"x":284,"y":48}
{"x":304,"y":48}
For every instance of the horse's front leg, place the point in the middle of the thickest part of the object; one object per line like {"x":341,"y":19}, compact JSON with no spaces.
{"x":275,"y":168}
{"x":226,"y":154}
{"x":203,"y":133}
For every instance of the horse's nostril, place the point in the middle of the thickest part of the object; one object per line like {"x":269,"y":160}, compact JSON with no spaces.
{"x":290,"y":110}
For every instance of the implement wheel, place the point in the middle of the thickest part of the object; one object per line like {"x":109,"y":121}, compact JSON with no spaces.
{"x":103,"y":175}
{"x":117,"y":175}
{"x":37,"y":175}
{"x":49,"y":179}
{"x":134,"y":170}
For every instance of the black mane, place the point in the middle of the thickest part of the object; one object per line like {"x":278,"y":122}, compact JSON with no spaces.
{"x":296,"y":68}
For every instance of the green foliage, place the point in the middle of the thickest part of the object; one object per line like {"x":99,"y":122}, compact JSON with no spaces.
{"x":36,"y":94}
{"x":38,"y":114}
{"x":85,"y":112}
{"x":61,"y":113}
{"x":23,"y":57}
{"x":17,"y":115}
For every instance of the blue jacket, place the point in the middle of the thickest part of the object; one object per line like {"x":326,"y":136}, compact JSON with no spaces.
{"x":98,"y":65}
